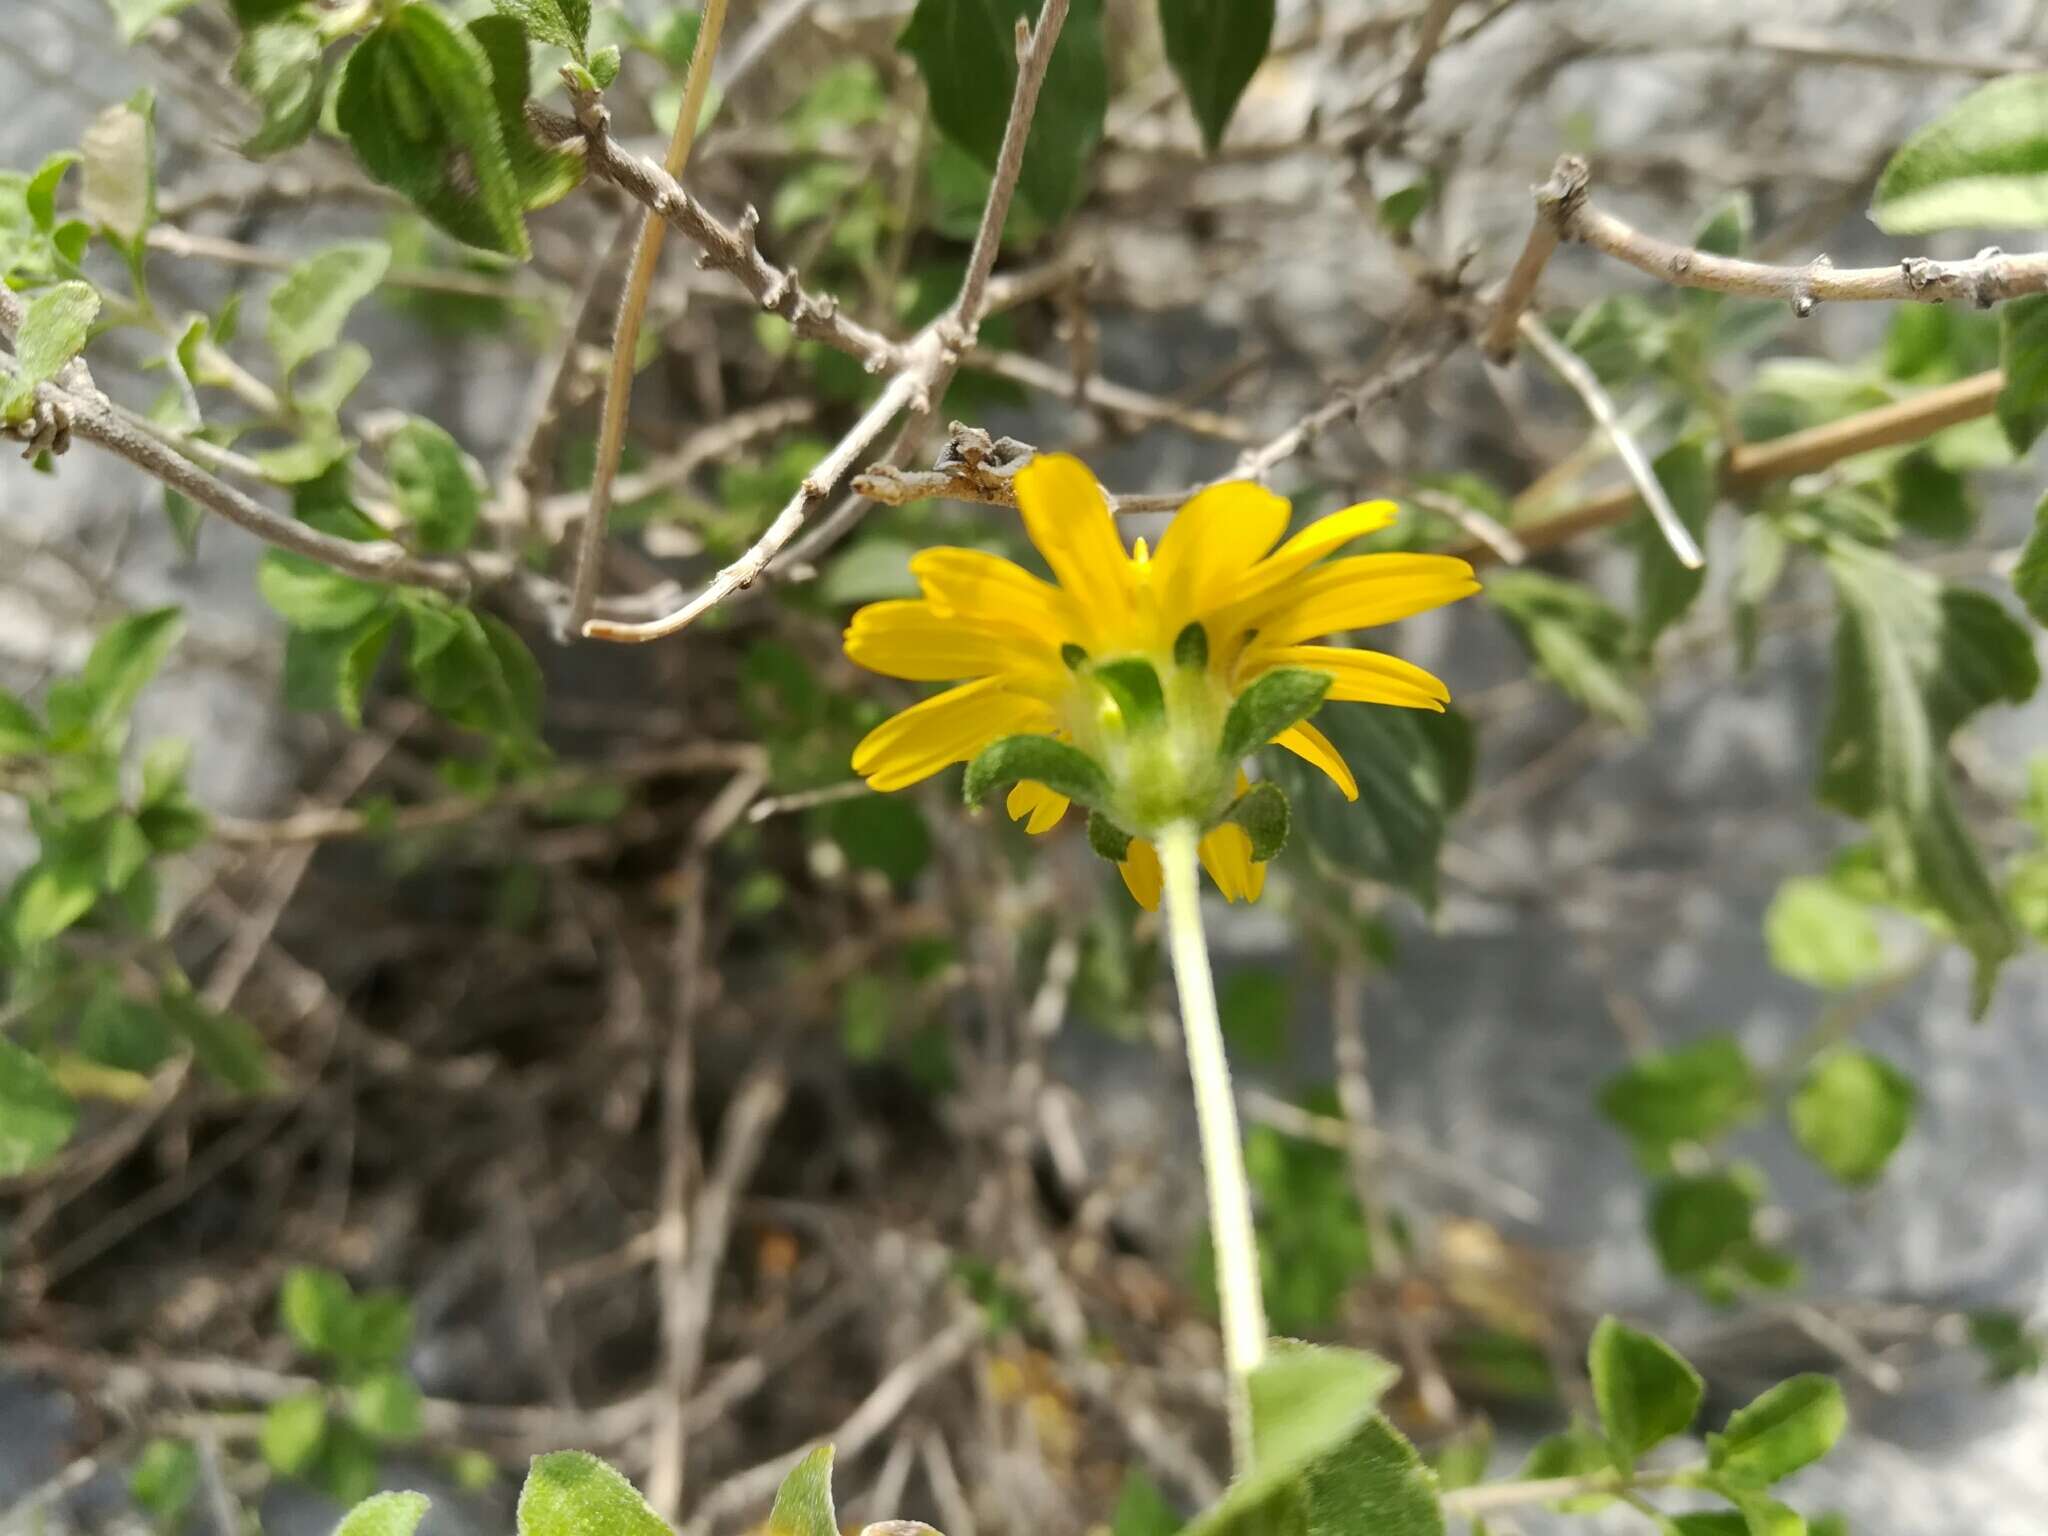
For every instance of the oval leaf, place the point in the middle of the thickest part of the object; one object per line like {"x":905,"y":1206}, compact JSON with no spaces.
{"x":1215,"y":47}
{"x":1062,"y":768}
{"x":572,"y":1493}
{"x":1796,"y":1422}
{"x":1981,"y":164}
{"x":1645,"y":1390}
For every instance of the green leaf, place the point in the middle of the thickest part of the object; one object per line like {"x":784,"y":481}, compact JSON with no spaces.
{"x":2030,"y":576}
{"x":1323,"y":1458}
{"x":36,"y":1116}
{"x":1263,"y":812}
{"x":1135,"y":686}
{"x":309,"y":595}
{"x":2023,"y":354}
{"x":54,"y":330}
{"x":1645,"y":1390}
{"x":134,"y":17}
{"x":565,"y":23}
{"x":316,"y":1307}
{"x":1794,"y":1423}
{"x":1574,"y":1452}
{"x":1982,"y":164}
{"x":1109,"y":840}
{"x":1215,"y":47}
{"x":1851,"y":1112}
{"x":1764,"y":1515}
{"x":226,"y":1044}
{"x":1700,"y":1220}
{"x":118,"y":1032}
{"x":1060,"y":767}
{"x":51,"y":895}
{"x":1912,"y":661}
{"x":386,"y":1514}
{"x":283,"y":67}
{"x":1307,"y":1397}
{"x":572,"y":1493}
{"x":1141,"y":1509}
{"x":164,"y":1478}
{"x":1413,"y":771}
{"x":2009,"y":1350}
{"x":1665,"y":589}
{"x":1577,"y":639}
{"x":1283,"y":697}
{"x":386,"y":1405}
{"x":1254,"y":1005}
{"x":542,"y":174}
{"x":803,"y":1504}
{"x":1694,"y":1093}
{"x":379,"y":1329}
{"x":604,"y":66}
{"x":966,"y":51}
{"x":1932,"y":499}
{"x":20,"y":732}
{"x":292,"y":1432}
{"x":124,"y":659}
{"x":1820,"y":934}
{"x":331,"y":669}
{"x":882,"y":832}
{"x":416,"y":103}
{"x":310,"y":306}
{"x":434,"y":490}
{"x":118,"y":190}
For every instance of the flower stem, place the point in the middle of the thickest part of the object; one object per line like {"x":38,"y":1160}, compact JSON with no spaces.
{"x":1230,"y":1202}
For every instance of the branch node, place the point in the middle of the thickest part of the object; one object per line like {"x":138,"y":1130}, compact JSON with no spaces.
{"x":1803,"y":300}
{"x":1559,"y":199}
{"x":46,"y":429}
{"x":1987,"y":279}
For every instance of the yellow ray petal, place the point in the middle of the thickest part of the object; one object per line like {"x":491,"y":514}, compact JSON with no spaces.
{"x":1324,"y":536}
{"x":1359,"y":592}
{"x":947,"y":728}
{"x":1071,"y":524}
{"x":915,"y":640}
{"x":1311,"y":745}
{"x":1213,"y":540}
{"x":978,"y":584}
{"x":1227,"y":854}
{"x":1043,"y":807}
{"x":1143,"y":877}
{"x":1362,"y":677}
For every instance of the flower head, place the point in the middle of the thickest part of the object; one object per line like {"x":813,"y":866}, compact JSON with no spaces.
{"x":1145,"y":676}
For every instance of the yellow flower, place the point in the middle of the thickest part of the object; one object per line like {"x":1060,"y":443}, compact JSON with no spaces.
{"x":1214,"y":609}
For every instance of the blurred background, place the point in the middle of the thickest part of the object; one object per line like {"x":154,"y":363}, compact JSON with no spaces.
{"x":922,"y":1083}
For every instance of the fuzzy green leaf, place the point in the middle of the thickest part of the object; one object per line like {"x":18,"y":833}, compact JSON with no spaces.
{"x":1912,"y":662}
{"x":386,"y":1514}
{"x":54,"y":330}
{"x":1135,"y":687}
{"x":2023,"y":354}
{"x":310,"y":306}
{"x":1577,"y":639}
{"x":1109,"y":840}
{"x":36,"y":1116}
{"x":283,"y":68}
{"x":572,"y":1493}
{"x":565,"y":23}
{"x":2030,"y":576}
{"x":1699,"y":1221}
{"x":416,"y":103}
{"x":966,"y":51}
{"x":1694,"y":1093}
{"x":1281,"y":698}
{"x":1794,"y":1423}
{"x":118,"y":191}
{"x":1060,"y":767}
{"x":803,"y":1504}
{"x":1983,"y":164}
{"x":1823,"y":936}
{"x":434,"y":490}
{"x":1851,"y":1112}
{"x":1645,"y":1389}
{"x":292,"y":1432}
{"x":1215,"y":47}
{"x":1263,"y":812}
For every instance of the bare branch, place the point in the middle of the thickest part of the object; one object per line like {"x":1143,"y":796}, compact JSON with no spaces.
{"x":1565,"y":190}
{"x":618,"y":395}
{"x":1600,"y":406}
{"x":1754,"y":465}
{"x":813,"y":317}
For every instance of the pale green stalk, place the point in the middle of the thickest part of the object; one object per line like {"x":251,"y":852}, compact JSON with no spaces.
{"x":1230,"y":1199}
